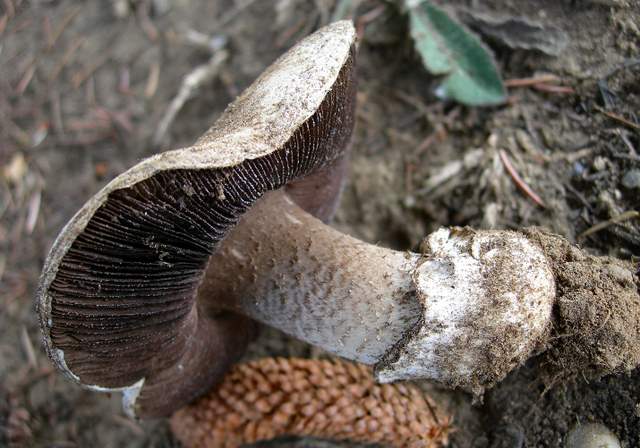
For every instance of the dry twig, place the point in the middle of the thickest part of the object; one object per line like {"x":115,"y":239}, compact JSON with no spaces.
{"x":289,"y":33}
{"x":627,"y":142}
{"x":451,"y":170}
{"x":53,"y":37}
{"x":618,"y":118}
{"x":10,"y":8}
{"x":368,"y":17}
{"x":549,"y":88}
{"x":631,"y":214}
{"x":27,"y":346}
{"x":26,"y":78}
{"x":152,"y":80}
{"x":3,"y":23}
{"x":518,"y":180}
{"x":130,"y":424}
{"x":571,"y":157}
{"x":527,"y":82}
{"x":198,"y":76}
{"x":232,"y":13}
{"x":544,"y":83}
{"x":66,"y":58}
{"x":33,"y":211}
{"x":146,"y":24}
{"x":80,"y":77}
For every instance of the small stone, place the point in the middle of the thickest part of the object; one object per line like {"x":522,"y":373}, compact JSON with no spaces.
{"x":600,"y":163}
{"x":578,"y":169}
{"x":631,"y":179}
{"x":592,"y":435}
{"x":617,"y":194}
{"x":16,"y":169}
{"x":409,"y":201}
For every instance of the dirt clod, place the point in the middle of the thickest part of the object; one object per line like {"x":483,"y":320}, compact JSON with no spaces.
{"x":597,"y":321}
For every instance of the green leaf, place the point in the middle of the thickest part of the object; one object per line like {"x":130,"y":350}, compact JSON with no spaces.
{"x":448,"y":48}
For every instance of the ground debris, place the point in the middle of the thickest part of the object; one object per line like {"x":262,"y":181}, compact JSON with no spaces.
{"x":84,"y":148}
{"x":190,"y":84}
{"x":597,"y":326}
{"x":517,"y":32}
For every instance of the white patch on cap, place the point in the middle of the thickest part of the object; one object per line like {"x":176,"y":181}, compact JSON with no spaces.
{"x":292,"y":219}
{"x":129,"y":397}
{"x":58,"y":356}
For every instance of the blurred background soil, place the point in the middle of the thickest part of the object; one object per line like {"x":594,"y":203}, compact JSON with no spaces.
{"x":84,"y":87}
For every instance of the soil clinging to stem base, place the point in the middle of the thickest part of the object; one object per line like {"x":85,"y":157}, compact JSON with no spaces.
{"x":597,"y":313}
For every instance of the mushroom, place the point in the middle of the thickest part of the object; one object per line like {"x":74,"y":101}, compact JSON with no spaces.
{"x":152,"y":288}
{"x":328,"y":399}
{"x":118,"y":300}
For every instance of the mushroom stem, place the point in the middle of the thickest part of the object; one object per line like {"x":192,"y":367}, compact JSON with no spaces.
{"x":461,"y":313}
{"x":287,"y":269}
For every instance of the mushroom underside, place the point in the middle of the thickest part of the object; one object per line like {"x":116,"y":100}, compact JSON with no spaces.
{"x":117,"y":295}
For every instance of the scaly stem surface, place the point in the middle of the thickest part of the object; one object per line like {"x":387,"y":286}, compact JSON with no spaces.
{"x":465,"y":312}
{"x":283,"y":267}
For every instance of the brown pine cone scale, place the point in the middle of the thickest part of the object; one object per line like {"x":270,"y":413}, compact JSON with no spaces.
{"x":328,"y":399}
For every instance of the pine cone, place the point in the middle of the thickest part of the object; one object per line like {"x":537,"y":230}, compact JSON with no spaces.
{"x":333,"y":399}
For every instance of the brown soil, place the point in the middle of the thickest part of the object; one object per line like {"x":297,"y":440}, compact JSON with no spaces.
{"x":597,"y":317}
{"x":83,"y":86}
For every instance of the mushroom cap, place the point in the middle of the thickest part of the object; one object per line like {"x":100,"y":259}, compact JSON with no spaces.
{"x":117,"y":295}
